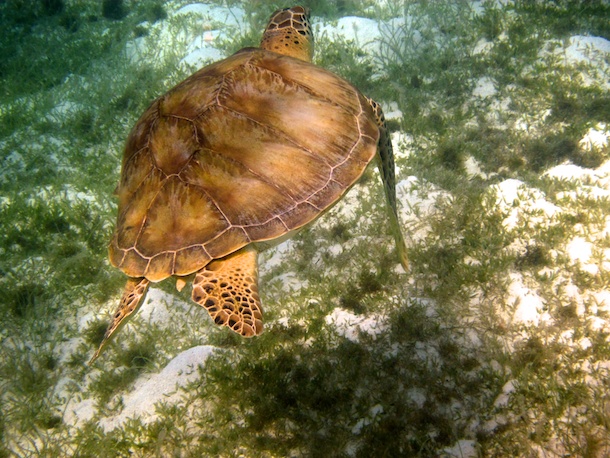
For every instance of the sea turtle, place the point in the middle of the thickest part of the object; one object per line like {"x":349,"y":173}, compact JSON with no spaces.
{"x":245,"y":151}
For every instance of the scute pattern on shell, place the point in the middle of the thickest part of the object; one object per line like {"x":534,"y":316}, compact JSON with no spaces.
{"x":244,"y":150}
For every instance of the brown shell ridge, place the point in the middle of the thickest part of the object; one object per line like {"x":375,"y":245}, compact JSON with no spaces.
{"x":135,"y":136}
{"x":150,"y":259}
{"x":221,"y":233}
{"x":218,"y":207}
{"x":278,"y":217}
{"x":244,"y":167}
{"x":287,"y":138}
{"x":140,"y":151}
{"x":210,"y":198}
{"x":305,"y":88}
{"x":308,"y":199}
{"x":116,"y":244}
{"x":222,"y":87}
{"x":240,"y":95}
{"x":348,"y":156}
{"x":142,"y":224}
{"x":278,"y":132}
{"x":145,"y":219}
{"x":135,"y":250}
{"x":231,"y":224}
{"x":152,"y":169}
{"x":173,"y":253}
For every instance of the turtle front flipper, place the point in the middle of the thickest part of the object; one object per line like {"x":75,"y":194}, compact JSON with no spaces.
{"x":385,"y":163}
{"x":228,"y":289}
{"x":134,"y":292}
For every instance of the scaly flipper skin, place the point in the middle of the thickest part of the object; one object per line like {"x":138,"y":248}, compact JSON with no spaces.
{"x":135,"y":290}
{"x":386,"y":167}
{"x":227,"y":288}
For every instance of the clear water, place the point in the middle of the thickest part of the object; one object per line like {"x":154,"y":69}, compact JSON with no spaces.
{"x":494,"y":343}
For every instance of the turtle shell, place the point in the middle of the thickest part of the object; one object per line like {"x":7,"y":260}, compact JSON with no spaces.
{"x":245,"y":150}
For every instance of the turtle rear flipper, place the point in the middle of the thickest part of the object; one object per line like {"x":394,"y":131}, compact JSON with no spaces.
{"x":227,"y":288}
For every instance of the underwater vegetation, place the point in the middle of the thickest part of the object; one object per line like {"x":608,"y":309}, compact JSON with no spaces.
{"x":495,"y":343}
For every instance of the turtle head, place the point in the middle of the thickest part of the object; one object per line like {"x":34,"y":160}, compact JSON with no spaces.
{"x":289,"y":32}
